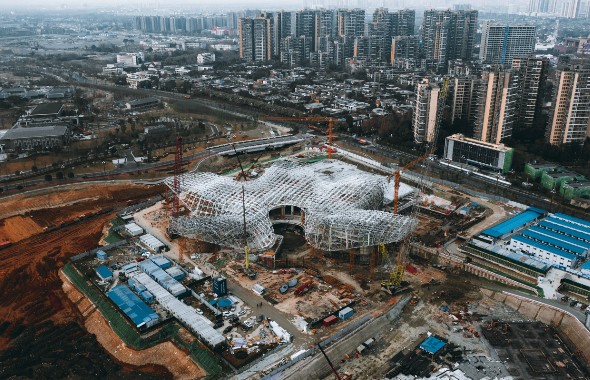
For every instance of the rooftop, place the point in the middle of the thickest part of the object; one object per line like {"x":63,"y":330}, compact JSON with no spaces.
{"x":341,"y":205}
{"x":47,"y":109}
{"x":432,"y":345}
{"x":498,"y":147}
{"x":545,"y":247}
{"x":573,"y":220}
{"x":35,"y":132}
{"x":131,"y":305}
{"x":104,"y":272}
{"x":514,"y":223}
{"x":553,"y":239}
{"x":563,"y":228}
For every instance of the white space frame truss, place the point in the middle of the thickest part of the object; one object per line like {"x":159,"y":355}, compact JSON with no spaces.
{"x":340,"y":204}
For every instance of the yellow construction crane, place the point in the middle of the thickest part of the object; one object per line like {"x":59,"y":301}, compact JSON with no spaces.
{"x":397,"y":274}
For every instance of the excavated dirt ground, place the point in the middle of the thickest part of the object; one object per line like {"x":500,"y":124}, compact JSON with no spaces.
{"x":165,"y":354}
{"x":29,"y":283}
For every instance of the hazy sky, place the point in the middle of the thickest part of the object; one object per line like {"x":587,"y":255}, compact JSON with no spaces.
{"x":144,"y":6}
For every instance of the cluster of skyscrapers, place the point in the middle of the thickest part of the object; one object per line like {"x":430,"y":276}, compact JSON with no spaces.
{"x":562,"y":8}
{"x":499,"y":101}
{"x":498,"y":92}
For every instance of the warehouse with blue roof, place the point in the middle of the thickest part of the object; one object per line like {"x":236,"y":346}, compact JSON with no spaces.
{"x":515,"y":223}
{"x":140,"y":314}
{"x":559,"y":240}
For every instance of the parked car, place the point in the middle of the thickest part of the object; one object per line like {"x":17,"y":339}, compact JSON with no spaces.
{"x":242,"y":312}
{"x":228,"y":329}
{"x":199,"y":311}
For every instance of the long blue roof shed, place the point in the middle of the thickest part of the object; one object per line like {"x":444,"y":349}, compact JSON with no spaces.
{"x":140,"y":313}
{"x":514,"y":223}
{"x":432,"y":345}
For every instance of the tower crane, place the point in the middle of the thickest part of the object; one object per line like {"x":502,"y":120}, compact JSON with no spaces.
{"x":396,"y":276}
{"x":311,"y":119}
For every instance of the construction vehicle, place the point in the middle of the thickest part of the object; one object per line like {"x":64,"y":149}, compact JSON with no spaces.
{"x":312,"y":119}
{"x":394,"y":283}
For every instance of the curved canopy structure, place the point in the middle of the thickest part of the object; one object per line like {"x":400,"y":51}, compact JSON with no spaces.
{"x":339,"y":202}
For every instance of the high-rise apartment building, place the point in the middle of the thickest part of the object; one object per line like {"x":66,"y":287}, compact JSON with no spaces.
{"x":255,"y":36}
{"x":404,"y":48}
{"x":570,"y":118}
{"x":532,"y":73}
{"x":464,"y":101}
{"x":282,"y":28}
{"x":306,"y":25}
{"x":541,"y":6}
{"x":497,"y":105}
{"x":387,"y":25}
{"x":425,"y":120}
{"x":500,"y":42}
{"x":448,"y":35}
{"x":568,"y":8}
{"x":350,"y":22}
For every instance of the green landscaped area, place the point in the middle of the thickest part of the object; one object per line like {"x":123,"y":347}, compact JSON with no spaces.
{"x":130,"y":336}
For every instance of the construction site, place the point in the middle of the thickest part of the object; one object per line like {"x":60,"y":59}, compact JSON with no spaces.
{"x":311,"y":261}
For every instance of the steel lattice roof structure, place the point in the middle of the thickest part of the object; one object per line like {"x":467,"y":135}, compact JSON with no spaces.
{"x":339,"y":201}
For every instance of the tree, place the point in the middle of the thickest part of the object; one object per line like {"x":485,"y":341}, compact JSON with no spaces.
{"x":59,"y":175}
{"x":48,"y":177}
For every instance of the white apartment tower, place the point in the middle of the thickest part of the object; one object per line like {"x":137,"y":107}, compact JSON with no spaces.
{"x":425,"y":118}
{"x":500,"y":43}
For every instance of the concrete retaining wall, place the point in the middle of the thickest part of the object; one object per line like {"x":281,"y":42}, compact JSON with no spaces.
{"x":567,"y":324}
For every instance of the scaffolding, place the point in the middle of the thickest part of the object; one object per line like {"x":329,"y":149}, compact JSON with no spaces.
{"x":339,"y":204}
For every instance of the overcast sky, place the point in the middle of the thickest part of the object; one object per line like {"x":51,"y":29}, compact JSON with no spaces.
{"x":145,"y":6}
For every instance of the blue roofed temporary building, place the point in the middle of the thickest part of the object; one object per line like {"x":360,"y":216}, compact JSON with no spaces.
{"x":161,"y":261}
{"x":515,"y":223}
{"x":224,"y":303}
{"x":104,"y":273}
{"x":563,"y":228}
{"x":432,"y":345}
{"x":176,"y":273}
{"x":564,"y":243}
{"x":101,"y":255}
{"x":552,"y":255}
{"x":147,"y":296}
{"x":140,"y":313}
{"x":136,"y":285}
{"x":186,"y":314}
{"x":162,"y":278}
{"x":573,"y":220}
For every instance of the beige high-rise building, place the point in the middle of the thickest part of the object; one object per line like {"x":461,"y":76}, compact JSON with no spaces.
{"x":570,"y":117}
{"x":497,"y":105}
{"x":425,"y":118}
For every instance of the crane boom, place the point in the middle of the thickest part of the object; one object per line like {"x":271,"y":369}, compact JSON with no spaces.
{"x":397,"y":176}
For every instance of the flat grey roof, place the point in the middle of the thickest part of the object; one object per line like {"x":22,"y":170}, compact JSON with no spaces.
{"x":35,"y":132}
{"x":47,"y":109}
